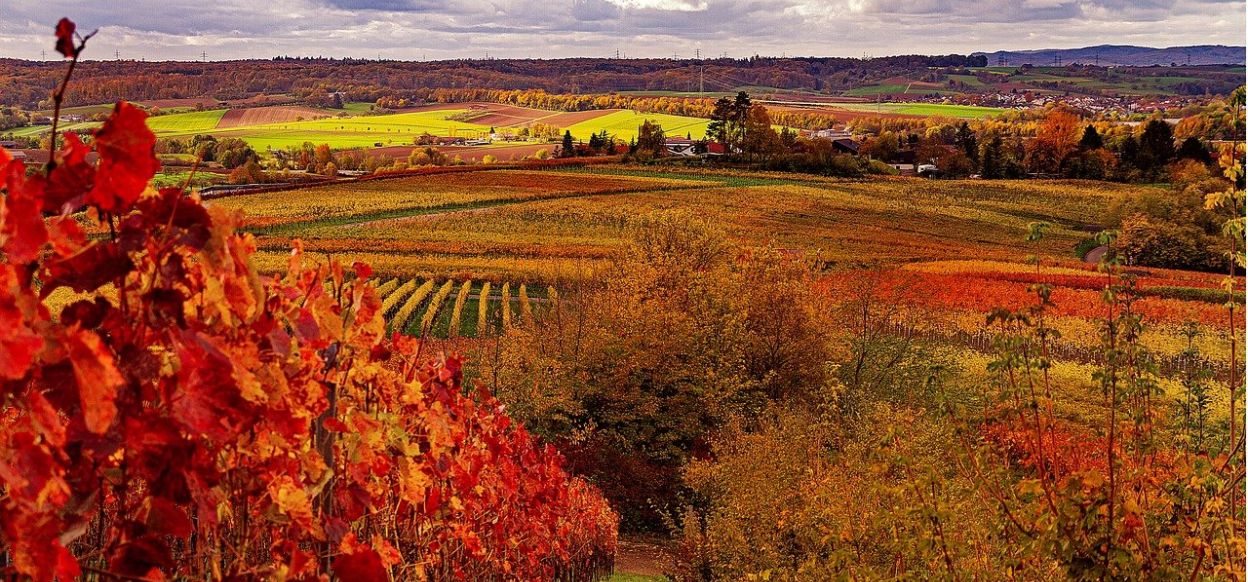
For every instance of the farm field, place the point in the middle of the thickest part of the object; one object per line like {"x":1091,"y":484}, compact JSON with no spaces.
{"x":624,"y":124}
{"x":186,"y":123}
{"x":450,"y":308}
{"x":282,"y":126}
{"x":541,"y":226}
{"x":950,"y":251}
{"x":924,"y":109}
{"x":277,"y":127}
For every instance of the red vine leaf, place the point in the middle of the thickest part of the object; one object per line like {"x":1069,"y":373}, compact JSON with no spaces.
{"x":22,"y":231}
{"x":97,"y":376}
{"x":127,"y":159}
{"x":65,"y":38}
{"x":359,"y":562}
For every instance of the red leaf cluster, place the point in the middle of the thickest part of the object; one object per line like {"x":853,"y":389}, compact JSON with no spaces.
{"x":188,"y":418}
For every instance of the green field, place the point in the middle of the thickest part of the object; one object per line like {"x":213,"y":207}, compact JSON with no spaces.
{"x":926,"y":109}
{"x":351,"y":132}
{"x":363,"y":131}
{"x":968,"y":80}
{"x":185,"y":123}
{"x":623,"y":125}
{"x":896,"y":88}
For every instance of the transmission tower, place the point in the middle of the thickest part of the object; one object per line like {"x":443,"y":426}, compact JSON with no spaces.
{"x":204,"y":56}
{"x":116,"y":55}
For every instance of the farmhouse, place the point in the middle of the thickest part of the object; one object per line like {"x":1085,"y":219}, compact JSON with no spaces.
{"x":679,"y":146}
{"x":846,"y":145}
{"x":832,"y":134}
{"x":685,"y":147}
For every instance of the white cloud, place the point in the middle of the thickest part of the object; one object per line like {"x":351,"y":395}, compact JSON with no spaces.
{"x":675,"y":5}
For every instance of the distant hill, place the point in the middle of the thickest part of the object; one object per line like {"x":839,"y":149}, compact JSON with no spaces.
{"x":1123,"y":55}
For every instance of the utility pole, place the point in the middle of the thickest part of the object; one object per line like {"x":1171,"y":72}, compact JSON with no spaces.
{"x":43,"y":55}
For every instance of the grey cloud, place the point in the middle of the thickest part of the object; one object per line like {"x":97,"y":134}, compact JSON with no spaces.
{"x":550,"y":28}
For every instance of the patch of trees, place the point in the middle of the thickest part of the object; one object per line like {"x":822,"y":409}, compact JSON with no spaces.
{"x":228,"y":151}
{"x":632,"y":375}
{"x":1176,"y":228}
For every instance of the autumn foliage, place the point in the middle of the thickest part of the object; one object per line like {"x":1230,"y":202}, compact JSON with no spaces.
{"x":189,"y":418}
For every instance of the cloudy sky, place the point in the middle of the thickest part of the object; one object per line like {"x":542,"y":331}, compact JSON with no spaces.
{"x":430,"y":29}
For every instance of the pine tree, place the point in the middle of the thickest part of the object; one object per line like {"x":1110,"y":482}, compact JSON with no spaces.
{"x":990,"y":159}
{"x":1091,"y":139}
{"x":965,"y":139}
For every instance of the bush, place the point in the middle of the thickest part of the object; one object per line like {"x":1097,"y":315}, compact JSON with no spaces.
{"x":1168,"y":245}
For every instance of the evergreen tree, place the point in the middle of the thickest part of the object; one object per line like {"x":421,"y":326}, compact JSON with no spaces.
{"x":1091,"y":139}
{"x":568,"y":149}
{"x":1193,"y":149}
{"x":990,"y":159}
{"x":1156,"y":145}
{"x":1130,"y":152}
{"x":721,"y":116}
{"x":965,"y":139}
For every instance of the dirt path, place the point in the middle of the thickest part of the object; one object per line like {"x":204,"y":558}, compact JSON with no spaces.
{"x":1095,"y":255}
{"x":642,"y":557}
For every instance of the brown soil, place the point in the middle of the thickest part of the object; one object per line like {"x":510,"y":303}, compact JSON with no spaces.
{"x":262,"y":115}
{"x":574,"y":117}
{"x":499,"y":115}
{"x":643,"y":557}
